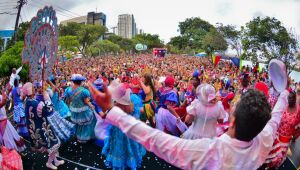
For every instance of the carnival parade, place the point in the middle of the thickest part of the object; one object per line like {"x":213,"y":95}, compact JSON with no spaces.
{"x":76,"y":96}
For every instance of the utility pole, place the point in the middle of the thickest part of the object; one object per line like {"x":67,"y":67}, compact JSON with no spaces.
{"x":21,"y":3}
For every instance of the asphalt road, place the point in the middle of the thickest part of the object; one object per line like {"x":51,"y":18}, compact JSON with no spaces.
{"x":88,"y":156}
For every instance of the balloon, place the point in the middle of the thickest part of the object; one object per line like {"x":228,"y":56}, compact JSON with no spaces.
{"x":139,"y":47}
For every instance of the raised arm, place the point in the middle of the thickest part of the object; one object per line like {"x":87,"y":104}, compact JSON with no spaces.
{"x":185,"y":154}
{"x":279,"y":108}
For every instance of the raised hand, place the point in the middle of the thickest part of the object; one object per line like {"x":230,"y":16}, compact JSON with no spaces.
{"x":102,"y":99}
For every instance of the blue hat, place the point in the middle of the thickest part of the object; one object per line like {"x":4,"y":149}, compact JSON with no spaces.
{"x":77,"y":77}
{"x":98,"y":83}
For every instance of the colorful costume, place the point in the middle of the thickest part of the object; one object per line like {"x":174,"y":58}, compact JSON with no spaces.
{"x":120,"y":151}
{"x":285,"y":133}
{"x":19,"y":112}
{"x":8,"y":135}
{"x":149,"y":106}
{"x":42,"y":137}
{"x":165,"y":120}
{"x":62,"y":128}
{"x":60,"y":106}
{"x":81,"y":114}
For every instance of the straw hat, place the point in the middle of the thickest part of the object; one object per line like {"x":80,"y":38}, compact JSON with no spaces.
{"x":119,"y":92}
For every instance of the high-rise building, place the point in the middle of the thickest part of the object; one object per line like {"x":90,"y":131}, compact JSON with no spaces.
{"x":96,"y":18}
{"x":126,"y":26}
{"x":91,"y":18}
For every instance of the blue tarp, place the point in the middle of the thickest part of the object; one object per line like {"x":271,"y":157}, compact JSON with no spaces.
{"x":201,"y":55}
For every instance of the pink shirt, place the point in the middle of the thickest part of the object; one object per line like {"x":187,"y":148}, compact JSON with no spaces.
{"x":214,"y":154}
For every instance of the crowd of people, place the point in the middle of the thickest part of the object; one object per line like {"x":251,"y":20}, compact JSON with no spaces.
{"x":186,"y":110}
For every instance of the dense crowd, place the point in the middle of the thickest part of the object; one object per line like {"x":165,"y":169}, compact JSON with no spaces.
{"x":187,"y":111}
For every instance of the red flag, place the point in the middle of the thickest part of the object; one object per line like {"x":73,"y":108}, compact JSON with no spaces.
{"x":217,"y":59}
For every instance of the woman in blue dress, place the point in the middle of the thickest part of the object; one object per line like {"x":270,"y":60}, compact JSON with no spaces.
{"x":19,"y":112}
{"x":122,"y":152}
{"x":59,"y":105}
{"x":78,"y":98}
{"x":42,"y":138}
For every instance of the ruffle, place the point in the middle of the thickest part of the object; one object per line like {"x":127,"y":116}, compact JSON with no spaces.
{"x":61,"y":127}
{"x":80,"y":109}
{"x":82,"y":118}
{"x":122,"y":152}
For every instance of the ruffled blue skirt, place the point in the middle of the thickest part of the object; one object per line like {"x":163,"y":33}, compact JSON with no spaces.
{"x":62,"y":128}
{"x":122,"y":152}
{"x":62,"y":109}
{"x":85,"y":124}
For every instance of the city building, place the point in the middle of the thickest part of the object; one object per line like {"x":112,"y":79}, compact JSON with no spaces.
{"x":91,"y":18}
{"x":96,"y":18}
{"x":6,"y":35}
{"x":80,"y":20}
{"x":126,"y":26}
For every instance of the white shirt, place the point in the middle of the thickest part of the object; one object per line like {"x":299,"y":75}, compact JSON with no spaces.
{"x":14,"y":76}
{"x":205,"y":119}
{"x":213,"y":154}
{"x":2,"y":110}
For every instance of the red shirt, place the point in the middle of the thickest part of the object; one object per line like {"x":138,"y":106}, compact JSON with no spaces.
{"x":135,"y":81}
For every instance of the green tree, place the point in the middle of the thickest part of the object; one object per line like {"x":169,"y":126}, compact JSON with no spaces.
{"x":68,"y":43}
{"x":232,"y":36}
{"x":20,"y":34}
{"x":125,"y":44}
{"x":88,"y":34}
{"x":1,"y":45}
{"x":213,"y":41}
{"x":267,"y":38}
{"x":152,"y":41}
{"x":103,"y":47}
{"x":11,"y":58}
{"x":192,"y":25}
{"x":71,"y":28}
{"x":192,"y":31}
{"x":179,"y":42}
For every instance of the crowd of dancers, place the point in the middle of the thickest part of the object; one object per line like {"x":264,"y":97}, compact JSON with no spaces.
{"x":187,"y":111}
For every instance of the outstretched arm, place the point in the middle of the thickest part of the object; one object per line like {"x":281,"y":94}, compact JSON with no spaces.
{"x":185,"y":154}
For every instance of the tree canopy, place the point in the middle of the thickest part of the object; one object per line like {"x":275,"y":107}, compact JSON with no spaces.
{"x":267,"y":38}
{"x":11,"y":58}
{"x":151,"y":40}
{"x":103,"y":47}
{"x":86,"y":34}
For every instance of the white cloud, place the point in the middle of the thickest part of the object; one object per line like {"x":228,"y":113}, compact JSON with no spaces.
{"x":162,"y":16}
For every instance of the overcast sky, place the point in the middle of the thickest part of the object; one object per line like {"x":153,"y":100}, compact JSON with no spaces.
{"x":162,"y":16}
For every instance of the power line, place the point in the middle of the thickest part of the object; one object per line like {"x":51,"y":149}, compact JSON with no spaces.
{"x":58,"y":11}
{"x":63,"y":9}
